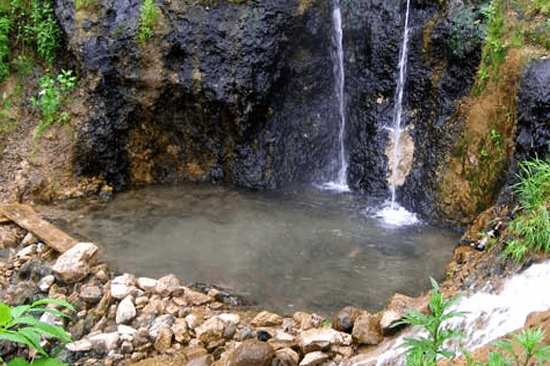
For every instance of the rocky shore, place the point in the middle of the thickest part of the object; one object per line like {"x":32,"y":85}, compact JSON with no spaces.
{"x":121,"y":319}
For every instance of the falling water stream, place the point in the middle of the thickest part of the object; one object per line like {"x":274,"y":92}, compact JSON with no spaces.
{"x":337,"y":54}
{"x":392,"y":213}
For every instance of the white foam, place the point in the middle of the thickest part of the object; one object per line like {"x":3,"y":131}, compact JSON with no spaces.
{"x":394,"y":215}
{"x":335,"y":186}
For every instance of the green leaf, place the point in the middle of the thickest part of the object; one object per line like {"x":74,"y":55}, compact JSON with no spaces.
{"x":58,"y":302}
{"x":48,"y":361}
{"x":19,"y":338}
{"x":5,"y":317}
{"x":18,"y":311}
{"x":18,"y":362}
{"x":33,"y":336}
{"x":54,"y":331}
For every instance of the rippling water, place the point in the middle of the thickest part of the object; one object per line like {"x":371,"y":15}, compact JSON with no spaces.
{"x":304,"y":249}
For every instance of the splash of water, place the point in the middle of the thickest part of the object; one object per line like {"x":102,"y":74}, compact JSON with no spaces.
{"x":393,"y":215}
{"x":340,"y":184}
{"x":396,"y":128}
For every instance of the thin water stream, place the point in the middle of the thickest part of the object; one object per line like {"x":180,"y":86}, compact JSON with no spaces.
{"x":305,"y":249}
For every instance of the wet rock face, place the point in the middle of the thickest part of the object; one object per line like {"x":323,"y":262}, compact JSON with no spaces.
{"x":435,"y":79}
{"x":244,"y":93}
{"x":534,"y":112}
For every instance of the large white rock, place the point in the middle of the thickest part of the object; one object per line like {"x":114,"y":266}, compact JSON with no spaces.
{"x":103,"y":343}
{"x":322,"y":338}
{"x":126,"y":310}
{"x":147,"y":284}
{"x":73,"y":265}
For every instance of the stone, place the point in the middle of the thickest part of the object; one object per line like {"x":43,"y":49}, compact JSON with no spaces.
{"x":163,"y":342}
{"x":126,"y":347}
{"x":314,"y":358}
{"x":321,"y":339}
{"x":197,"y":298}
{"x":252,"y":353}
{"x":147,"y":284}
{"x":181,"y":334}
{"x":119,"y":291}
{"x":27,"y":251}
{"x":266,"y":319}
{"x":103,"y":343}
{"x":82,"y":345}
{"x":125,"y":279}
{"x":74,"y":265}
{"x":288,"y":356}
{"x":193,"y":320}
{"x":91,"y":294}
{"x":204,"y":360}
{"x":366,"y":329}
{"x":167,"y":285}
{"x":387,"y":320}
{"x":304,"y":321}
{"x":126,"y":310}
{"x":161,"y":322}
{"x":29,"y":239}
{"x":282,"y":339}
{"x":211,"y":330}
{"x":344,"y":319}
{"x":46,"y":282}
{"x":125,"y":329}
{"x":230,"y":319}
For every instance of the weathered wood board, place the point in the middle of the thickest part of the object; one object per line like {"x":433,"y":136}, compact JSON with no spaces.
{"x":24,"y":216}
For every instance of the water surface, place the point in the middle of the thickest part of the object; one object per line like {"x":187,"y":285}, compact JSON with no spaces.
{"x":304,"y":249}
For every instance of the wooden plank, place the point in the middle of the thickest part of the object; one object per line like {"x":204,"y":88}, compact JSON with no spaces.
{"x":24,"y":216}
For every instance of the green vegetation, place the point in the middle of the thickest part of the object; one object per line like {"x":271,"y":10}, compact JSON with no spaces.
{"x":528,"y":341}
{"x":494,"y":51}
{"x":27,"y":26}
{"x":532,"y":226}
{"x":17,"y":324}
{"x":149,"y":16}
{"x":52,"y":94}
{"x":467,"y":32}
{"x":424,"y":351}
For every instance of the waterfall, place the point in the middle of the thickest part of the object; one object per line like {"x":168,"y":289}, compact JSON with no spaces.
{"x":489,"y":314}
{"x":337,"y":55}
{"x":396,"y":128}
{"x":399,"y":162}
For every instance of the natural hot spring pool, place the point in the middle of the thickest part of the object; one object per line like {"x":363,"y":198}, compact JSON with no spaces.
{"x":304,"y":249}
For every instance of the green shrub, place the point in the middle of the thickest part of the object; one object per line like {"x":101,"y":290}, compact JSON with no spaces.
{"x":5,"y":27}
{"x":493,"y":51}
{"x":466,"y":32}
{"x":149,"y":16}
{"x":51,"y":96}
{"x":532,"y":226}
{"x":424,"y":351}
{"x":17,"y":324}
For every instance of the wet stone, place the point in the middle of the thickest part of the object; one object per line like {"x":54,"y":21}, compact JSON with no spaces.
{"x":344,"y":319}
{"x":252,"y":353}
{"x":266,"y":319}
{"x":45,"y":283}
{"x":91,"y":294}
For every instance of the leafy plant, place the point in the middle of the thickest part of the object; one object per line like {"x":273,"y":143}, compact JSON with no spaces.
{"x":528,"y":340}
{"x":532,"y":226}
{"x":149,"y":15}
{"x":424,"y":351}
{"x":17,"y":324}
{"x":51,"y":97}
{"x":5,"y":27}
{"x":466,"y":32}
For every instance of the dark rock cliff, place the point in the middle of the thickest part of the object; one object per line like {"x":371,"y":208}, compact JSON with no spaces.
{"x":243,"y":93}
